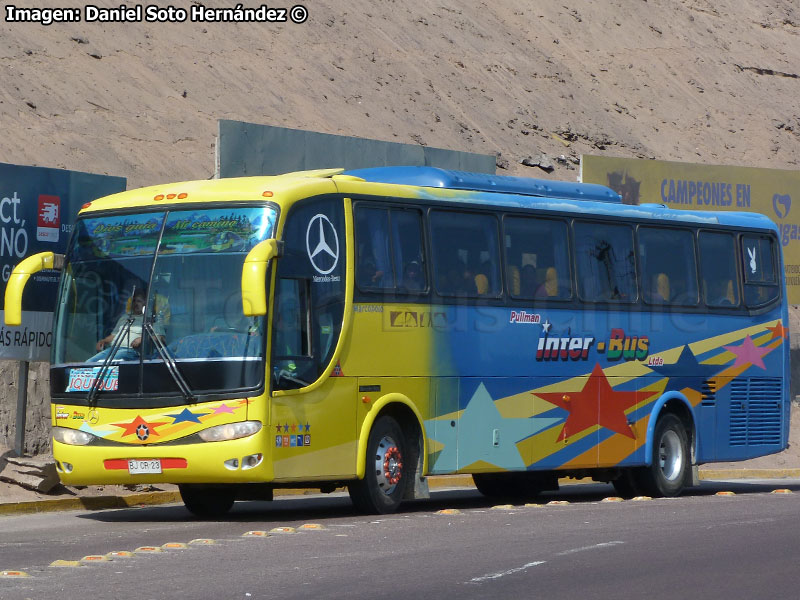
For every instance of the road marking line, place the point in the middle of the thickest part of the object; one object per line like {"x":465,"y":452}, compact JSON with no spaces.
{"x":504,"y":573}
{"x":594,"y":547}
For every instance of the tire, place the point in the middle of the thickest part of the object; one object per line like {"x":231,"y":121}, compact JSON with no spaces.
{"x":668,"y":473}
{"x":386,"y":476}
{"x":207,"y":502}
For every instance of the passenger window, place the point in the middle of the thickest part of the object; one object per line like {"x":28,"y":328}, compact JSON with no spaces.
{"x":718,"y":269}
{"x":465,"y":254}
{"x":760,"y":278}
{"x":537,"y":258}
{"x":669,"y":272}
{"x":374,"y":268}
{"x":389,"y":254}
{"x":605,"y":262}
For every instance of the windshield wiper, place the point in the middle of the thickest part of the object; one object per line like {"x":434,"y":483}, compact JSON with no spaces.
{"x":172,"y":367}
{"x":115,"y":346}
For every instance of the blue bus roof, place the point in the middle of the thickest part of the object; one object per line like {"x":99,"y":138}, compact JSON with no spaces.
{"x":486,"y":182}
{"x":544,"y":194}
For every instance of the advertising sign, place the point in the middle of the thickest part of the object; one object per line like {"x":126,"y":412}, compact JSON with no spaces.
{"x":37,"y":211}
{"x":771,"y":192}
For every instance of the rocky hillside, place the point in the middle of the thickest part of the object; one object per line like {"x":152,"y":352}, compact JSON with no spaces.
{"x":691,"y":80}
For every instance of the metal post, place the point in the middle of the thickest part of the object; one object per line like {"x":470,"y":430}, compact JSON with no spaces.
{"x":22,"y":407}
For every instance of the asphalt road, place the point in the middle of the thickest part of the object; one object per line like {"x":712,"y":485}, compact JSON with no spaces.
{"x":697,"y":546}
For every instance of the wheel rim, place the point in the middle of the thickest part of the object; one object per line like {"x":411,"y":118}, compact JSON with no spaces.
{"x":388,"y":465}
{"x":670,"y":455}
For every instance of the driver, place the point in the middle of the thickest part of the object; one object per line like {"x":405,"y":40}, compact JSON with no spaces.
{"x":131,"y":339}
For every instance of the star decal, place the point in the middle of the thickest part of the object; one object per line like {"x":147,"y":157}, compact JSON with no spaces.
{"x":286,"y":428}
{"x":546,"y":326}
{"x":778,"y":331}
{"x":748,"y":353}
{"x":471,"y":442}
{"x":187,"y":416}
{"x":224,"y":408}
{"x":596,"y":404}
{"x":278,"y":428}
{"x":686,"y":372}
{"x":308,"y":427}
{"x":130,"y":428}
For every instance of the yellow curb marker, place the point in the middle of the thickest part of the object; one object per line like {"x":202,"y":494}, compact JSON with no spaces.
{"x":503,"y":507}
{"x":148,"y":550}
{"x":448,"y":511}
{"x":725,"y":494}
{"x":202,"y":542}
{"x":93,"y":558}
{"x":533,"y":505}
{"x":613,"y":499}
{"x":283,"y":530}
{"x":782,"y":491}
{"x":641,"y":498}
{"x":12,"y":574}
{"x":174,"y":546}
{"x":256,"y":534}
{"x":312,"y":527}
{"x":119,"y":554}
{"x":558,"y":502}
{"x":66,"y":563}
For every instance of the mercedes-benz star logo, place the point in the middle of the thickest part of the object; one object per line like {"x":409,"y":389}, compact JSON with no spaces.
{"x":318,"y":237}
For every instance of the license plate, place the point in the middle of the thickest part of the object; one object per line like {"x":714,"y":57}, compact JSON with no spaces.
{"x":138,"y":467}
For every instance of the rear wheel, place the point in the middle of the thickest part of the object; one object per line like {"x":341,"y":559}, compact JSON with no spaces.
{"x":207,"y":502}
{"x":386,"y":475}
{"x":667,"y":475}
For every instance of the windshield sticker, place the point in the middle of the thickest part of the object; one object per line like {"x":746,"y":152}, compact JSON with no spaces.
{"x":82,"y":380}
{"x":219,"y":230}
{"x":751,"y":253}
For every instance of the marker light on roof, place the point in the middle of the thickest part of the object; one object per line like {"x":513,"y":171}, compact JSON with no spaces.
{"x":182,"y":195}
{"x":267,"y":194}
{"x":158,"y":197}
{"x":171,"y":196}
{"x":86,"y":205}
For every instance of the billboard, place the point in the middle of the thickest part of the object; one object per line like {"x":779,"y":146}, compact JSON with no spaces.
{"x":245,"y":149}
{"x":37,"y":210}
{"x":710,"y":187}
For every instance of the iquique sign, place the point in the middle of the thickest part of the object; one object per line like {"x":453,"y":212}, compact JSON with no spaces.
{"x":37,"y":210}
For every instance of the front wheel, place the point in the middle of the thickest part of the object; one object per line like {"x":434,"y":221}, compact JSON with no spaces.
{"x":666,"y":476}
{"x":207,"y":502}
{"x":386,"y":475}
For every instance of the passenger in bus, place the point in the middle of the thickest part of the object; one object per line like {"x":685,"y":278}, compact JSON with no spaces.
{"x":529,"y":284}
{"x":549,"y":287}
{"x":660,"y":293}
{"x":368,"y":274}
{"x":412,"y":277}
{"x":719,"y":292}
{"x":131,"y":335}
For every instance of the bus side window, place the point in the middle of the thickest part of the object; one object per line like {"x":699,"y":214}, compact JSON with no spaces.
{"x":466,"y":254}
{"x":718,"y":269}
{"x":605,"y":262}
{"x":668,"y":268}
{"x":760,"y":279}
{"x":537,"y":258}
{"x":374,"y":268}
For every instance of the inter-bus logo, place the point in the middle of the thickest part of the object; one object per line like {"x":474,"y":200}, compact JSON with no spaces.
{"x":520,"y":316}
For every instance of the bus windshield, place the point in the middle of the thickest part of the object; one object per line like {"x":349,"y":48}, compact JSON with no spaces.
{"x":158,"y":287}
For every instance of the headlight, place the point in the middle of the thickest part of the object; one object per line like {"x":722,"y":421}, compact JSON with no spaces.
{"x":73,"y":437}
{"x":229,"y":431}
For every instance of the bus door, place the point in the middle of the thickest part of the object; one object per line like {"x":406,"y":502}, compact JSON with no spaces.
{"x":313,"y":418}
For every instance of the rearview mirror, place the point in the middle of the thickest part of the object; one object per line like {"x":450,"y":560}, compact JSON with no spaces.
{"x":254,"y":272}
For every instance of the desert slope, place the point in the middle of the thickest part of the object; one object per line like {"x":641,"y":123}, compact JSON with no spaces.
{"x":693,"y":80}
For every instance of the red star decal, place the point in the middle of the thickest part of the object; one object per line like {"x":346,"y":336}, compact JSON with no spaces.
{"x":596,"y":404}
{"x":130,"y":428}
{"x":779,"y":331}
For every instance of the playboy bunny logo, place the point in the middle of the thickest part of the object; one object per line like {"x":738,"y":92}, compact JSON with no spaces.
{"x":751,"y":252}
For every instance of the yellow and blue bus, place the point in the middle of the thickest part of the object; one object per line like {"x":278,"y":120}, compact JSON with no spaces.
{"x":370,"y":328}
